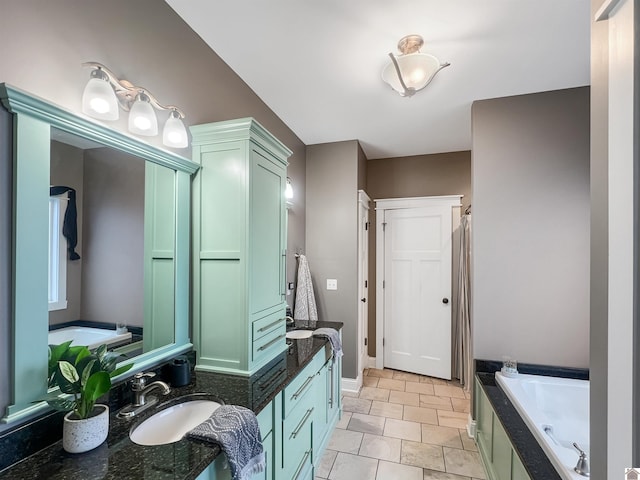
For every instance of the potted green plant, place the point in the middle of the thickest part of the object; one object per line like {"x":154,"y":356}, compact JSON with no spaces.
{"x":84,"y":376}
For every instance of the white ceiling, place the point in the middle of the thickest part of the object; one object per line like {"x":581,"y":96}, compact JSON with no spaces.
{"x":317,"y":64}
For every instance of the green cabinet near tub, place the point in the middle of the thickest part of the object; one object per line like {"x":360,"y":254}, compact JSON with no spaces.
{"x":501,"y":462}
{"x":239,"y":246}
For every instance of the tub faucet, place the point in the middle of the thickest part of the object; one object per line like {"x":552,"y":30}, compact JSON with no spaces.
{"x":140,"y":388}
{"x":582,"y":468}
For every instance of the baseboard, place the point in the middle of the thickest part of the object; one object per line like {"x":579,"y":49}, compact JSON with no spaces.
{"x":352,"y":384}
{"x":471,"y":427}
{"x":371,"y":362}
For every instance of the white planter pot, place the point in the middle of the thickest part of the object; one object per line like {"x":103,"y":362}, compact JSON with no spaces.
{"x":85,"y":434}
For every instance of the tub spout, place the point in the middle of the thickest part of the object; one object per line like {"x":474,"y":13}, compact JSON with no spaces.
{"x":582,"y":468}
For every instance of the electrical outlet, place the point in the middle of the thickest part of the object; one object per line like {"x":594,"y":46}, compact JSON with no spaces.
{"x":332,"y":284}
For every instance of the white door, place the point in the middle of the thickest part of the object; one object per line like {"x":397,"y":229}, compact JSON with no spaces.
{"x":363,"y":278}
{"x":417,"y":290}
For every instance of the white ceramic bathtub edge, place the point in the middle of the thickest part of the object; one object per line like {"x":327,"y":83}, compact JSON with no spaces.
{"x":535,"y":420}
{"x":102,"y":336}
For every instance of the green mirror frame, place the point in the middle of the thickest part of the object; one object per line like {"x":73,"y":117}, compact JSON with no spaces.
{"x":33,"y":119}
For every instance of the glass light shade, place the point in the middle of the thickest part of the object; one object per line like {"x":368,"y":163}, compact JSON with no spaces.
{"x":174,"y":133}
{"x":417,"y":71}
{"x":99,"y":100}
{"x":288,"y":190}
{"x":142,"y":118}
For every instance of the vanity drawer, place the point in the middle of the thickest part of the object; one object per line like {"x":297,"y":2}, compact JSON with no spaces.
{"x":302,"y":384}
{"x":297,"y":440}
{"x":269,"y":344}
{"x":267,"y":324}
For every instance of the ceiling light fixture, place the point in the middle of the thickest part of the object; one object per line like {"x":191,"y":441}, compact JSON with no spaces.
{"x":412,"y":70}
{"x":104,"y":92}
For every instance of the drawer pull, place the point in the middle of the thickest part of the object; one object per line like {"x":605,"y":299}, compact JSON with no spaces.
{"x":268,"y":344}
{"x":331,"y":388}
{"x":301,"y":389}
{"x":302,"y":464}
{"x":267,"y":327}
{"x":295,"y":433}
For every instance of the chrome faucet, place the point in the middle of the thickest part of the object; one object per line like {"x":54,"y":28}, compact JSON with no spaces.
{"x":140,"y":389}
{"x":582,"y":468}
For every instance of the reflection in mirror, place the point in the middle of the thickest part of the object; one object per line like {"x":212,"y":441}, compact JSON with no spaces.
{"x":112,"y":270}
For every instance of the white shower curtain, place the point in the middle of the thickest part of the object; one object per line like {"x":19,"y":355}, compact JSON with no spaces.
{"x":462,"y":360}
{"x":305,"y":308}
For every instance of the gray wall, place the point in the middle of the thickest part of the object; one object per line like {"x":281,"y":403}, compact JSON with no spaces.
{"x":110,"y":202}
{"x":332,"y":238}
{"x":113,"y":260}
{"x":67,"y":169}
{"x":530,"y":240}
{"x":145,"y":42}
{"x":414,"y":176}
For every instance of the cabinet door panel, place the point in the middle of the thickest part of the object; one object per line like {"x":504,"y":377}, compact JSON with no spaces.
{"x":266,"y":220}
{"x":484,"y":424}
{"x":518,"y":472}
{"x":501,"y":451}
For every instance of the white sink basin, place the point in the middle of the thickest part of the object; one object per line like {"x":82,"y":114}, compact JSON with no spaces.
{"x":170,"y":425}
{"x":299,"y":334}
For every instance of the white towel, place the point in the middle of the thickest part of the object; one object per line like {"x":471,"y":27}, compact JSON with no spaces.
{"x":305,"y":300}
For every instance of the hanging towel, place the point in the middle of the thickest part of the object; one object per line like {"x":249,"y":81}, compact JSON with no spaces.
{"x":70,"y":223}
{"x":236,"y":430}
{"x":334,"y":339}
{"x":305,"y":308}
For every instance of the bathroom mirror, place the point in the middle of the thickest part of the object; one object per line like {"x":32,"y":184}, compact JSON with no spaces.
{"x":34,"y":125}
{"x":97,"y":291}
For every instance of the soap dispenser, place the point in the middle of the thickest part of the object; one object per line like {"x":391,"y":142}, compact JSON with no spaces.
{"x":180,"y":372}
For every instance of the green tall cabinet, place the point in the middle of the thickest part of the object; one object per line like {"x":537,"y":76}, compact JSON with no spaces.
{"x":239,"y":246}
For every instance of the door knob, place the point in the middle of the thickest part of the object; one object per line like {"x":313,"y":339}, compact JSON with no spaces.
{"x":363,"y":300}
{"x":445,"y":300}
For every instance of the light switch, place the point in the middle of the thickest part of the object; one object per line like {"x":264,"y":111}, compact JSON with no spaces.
{"x":332,"y":284}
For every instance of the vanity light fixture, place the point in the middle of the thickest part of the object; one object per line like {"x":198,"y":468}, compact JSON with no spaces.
{"x":105,"y":92}
{"x":142,"y":117}
{"x":98,"y":99}
{"x":412,"y":70}
{"x":174,"y":133}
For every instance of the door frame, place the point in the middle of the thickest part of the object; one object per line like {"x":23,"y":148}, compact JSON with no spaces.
{"x":363,"y":276}
{"x":382,"y":205}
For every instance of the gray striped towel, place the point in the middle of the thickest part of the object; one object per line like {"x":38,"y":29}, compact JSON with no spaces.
{"x":236,"y":430}
{"x":334,"y":339}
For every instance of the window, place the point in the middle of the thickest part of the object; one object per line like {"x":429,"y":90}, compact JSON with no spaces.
{"x":57,"y":254}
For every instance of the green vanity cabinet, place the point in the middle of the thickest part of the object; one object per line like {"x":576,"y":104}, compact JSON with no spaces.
{"x":239,"y":246}
{"x":300,"y":405}
{"x":297,"y":425}
{"x":500,"y":460}
{"x":328,"y":413}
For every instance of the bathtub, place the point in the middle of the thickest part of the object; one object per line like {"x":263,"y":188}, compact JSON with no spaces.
{"x":556,"y":410}
{"x":91,"y":337}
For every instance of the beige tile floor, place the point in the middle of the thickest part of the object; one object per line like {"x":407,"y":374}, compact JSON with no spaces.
{"x":402,"y":426}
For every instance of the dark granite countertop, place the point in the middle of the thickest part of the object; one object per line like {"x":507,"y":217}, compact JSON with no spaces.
{"x":533,"y":458}
{"x":119,"y":458}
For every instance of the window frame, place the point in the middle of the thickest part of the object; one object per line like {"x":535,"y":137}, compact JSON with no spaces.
{"x":57,"y":253}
